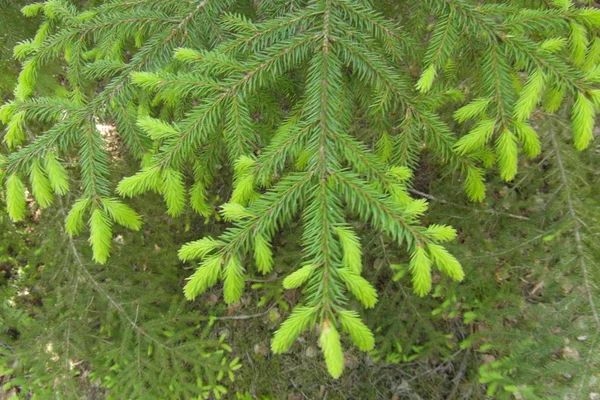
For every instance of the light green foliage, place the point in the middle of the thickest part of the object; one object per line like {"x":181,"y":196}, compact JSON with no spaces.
{"x":243,"y":185}
{"x":332,"y":349}
{"x":403,"y":174}
{"x":198,"y":200}
{"x":100,"y":235}
{"x":361,"y":335}
{"x":263,"y":255}
{"x":7,"y":111}
{"x":506,"y":153}
{"x":15,"y":132}
{"x":351,"y":256}
{"x":446,"y":262}
{"x":384,"y":147}
{"x":15,"y":198}
{"x":234,"y":212}
{"x":474,"y":109}
{"x":2,"y":174}
{"x":360,"y":287}
{"x":427,"y":78}
{"x":583,"y":121}
{"x":474,"y":185}
{"x":204,"y":277}
{"x":74,"y":221}
{"x":298,"y":321}
{"x":298,"y":277}
{"x":26,"y":80}
{"x":243,"y":190}
{"x":553,"y":45}
{"x":477,"y":138}
{"x":593,"y":56}
{"x":147,"y":179}
{"x":197,"y":249}
{"x":173,"y":191}
{"x":578,"y":42}
{"x":122,"y":214}
{"x":420,"y":269}
{"x":233,"y":280}
{"x":156,"y":128}
{"x":442,"y":233}
{"x":15,"y":28}
{"x":529,"y":137}
{"x":416,"y":207}
{"x":553,"y":99}
{"x":57,"y":174}
{"x":530,"y":96}
{"x":40,"y":185}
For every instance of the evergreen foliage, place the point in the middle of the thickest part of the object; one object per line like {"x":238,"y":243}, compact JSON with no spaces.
{"x":524,"y":317}
{"x":14,"y":28}
{"x":320,"y":110}
{"x":73,"y":329}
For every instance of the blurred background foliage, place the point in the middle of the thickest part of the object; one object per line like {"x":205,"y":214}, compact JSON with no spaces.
{"x":13,"y":30}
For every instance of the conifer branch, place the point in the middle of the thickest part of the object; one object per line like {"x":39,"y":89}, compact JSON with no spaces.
{"x":82,"y":269}
{"x":576,"y":231}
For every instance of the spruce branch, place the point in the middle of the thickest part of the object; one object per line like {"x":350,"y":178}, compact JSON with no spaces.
{"x":577,"y":228}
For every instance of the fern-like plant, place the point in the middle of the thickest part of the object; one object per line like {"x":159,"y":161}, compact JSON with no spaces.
{"x":321,"y":110}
